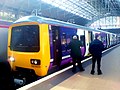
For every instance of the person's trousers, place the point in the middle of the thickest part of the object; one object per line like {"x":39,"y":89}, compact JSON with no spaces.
{"x":77,"y":60}
{"x":94,"y":59}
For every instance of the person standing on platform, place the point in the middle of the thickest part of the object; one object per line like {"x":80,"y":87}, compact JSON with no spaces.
{"x":75,"y":53}
{"x":96,"y":47}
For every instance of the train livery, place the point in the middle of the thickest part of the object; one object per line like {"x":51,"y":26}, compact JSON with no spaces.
{"x":37,"y":44}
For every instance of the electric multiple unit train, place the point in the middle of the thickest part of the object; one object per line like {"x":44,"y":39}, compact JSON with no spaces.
{"x":36,"y":44}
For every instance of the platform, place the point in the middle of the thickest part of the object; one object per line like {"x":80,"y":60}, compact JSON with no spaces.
{"x":109,"y":80}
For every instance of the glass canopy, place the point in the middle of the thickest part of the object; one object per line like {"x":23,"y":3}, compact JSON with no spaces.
{"x":77,"y":7}
{"x":107,"y":23}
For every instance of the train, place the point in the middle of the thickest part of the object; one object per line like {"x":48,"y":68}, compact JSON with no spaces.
{"x":4,"y":25}
{"x":37,"y":44}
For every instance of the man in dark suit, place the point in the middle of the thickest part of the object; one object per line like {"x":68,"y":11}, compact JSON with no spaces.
{"x":96,"y":47}
{"x":75,"y":53}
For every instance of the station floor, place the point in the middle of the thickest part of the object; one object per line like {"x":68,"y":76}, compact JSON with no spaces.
{"x":109,"y":80}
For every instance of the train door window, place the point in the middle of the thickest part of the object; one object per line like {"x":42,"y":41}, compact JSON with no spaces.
{"x":63,"y":43}
{"x":90,"y":36}
{"x":63,"y":39}
{"x":104,"y":39}
{"x":82,"y":38}
{"x":108,"y":40}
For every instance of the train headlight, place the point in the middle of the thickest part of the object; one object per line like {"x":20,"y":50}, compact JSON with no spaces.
{"x":11,"y":58}
{"x":35,"y":61}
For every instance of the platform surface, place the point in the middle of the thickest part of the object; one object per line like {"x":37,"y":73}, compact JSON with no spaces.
{"x":109,"y":80}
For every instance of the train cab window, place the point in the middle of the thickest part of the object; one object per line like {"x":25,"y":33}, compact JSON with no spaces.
{"x":25,"y":38}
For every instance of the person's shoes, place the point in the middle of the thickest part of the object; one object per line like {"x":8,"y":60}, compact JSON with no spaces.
{"x":81,"y":70}
{"x":99,"y":72}
{"x":92,"y":72}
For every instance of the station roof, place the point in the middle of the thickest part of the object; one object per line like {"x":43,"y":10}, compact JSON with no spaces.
{"x":81,"y":12}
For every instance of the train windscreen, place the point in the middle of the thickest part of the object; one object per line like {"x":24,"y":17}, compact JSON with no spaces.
{"x":25,"y":38}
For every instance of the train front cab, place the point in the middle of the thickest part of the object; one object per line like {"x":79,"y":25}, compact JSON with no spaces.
{"x":28,"y":47}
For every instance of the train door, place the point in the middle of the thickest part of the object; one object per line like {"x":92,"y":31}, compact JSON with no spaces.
{"x":57,"y":50}
{"x":88,"y":39}
{"x":83,"y":49}
{"x":81,"y":34}
{"x":108,"y":40}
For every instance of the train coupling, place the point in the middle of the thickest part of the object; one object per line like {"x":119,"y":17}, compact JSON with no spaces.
{"x":20,"y":81}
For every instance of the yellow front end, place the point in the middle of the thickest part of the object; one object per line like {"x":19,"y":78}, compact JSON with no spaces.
{"x":37,"y":61}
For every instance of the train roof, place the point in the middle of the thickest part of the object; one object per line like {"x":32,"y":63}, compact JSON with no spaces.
{"x":40,"y":19}
{"x":5,"y":24}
